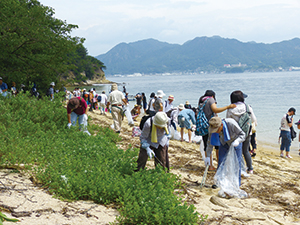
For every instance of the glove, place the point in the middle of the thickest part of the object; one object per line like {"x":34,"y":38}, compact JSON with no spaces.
{"x":235,"y":143}
{"x":69,"y":125}
{"x":193,"y":128}
{"x":207,"y":161}
{"x":150,"y":152}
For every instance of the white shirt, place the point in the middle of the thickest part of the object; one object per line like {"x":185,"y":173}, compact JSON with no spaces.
{"x":103,"y":98}
{"x":168,"y":105}
{"x":115,"y":97}
{"x":284,"y":123}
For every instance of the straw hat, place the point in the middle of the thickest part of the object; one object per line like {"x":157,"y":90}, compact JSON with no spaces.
{"x":181,"y":107}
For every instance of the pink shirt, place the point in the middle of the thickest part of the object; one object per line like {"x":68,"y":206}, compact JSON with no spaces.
{"x":81,"y":108}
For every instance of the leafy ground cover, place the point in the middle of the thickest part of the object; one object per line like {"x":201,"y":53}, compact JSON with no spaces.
{"x":73,"y":165}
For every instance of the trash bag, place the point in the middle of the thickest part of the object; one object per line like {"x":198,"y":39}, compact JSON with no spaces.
{"x":175,"y":135}
{"x":84,"y":125}
{"x":227,"y":177}
{"x":202,"y":149}
{"x":128,"y":115}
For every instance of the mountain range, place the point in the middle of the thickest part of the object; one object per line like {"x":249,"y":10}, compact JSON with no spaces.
{"x":208,"y":54}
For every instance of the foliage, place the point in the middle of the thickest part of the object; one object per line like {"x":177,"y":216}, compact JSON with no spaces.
{"x":36,"y":46}
{"x":5,"y":218}
{"x":75,"y":166}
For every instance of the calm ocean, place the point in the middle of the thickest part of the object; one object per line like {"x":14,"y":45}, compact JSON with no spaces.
{"x":269,"y":94}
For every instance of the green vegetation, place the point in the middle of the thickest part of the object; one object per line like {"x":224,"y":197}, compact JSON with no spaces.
{"x":73,"y":165}
{"x":207,"y":54}
{"x":5,"y":218}
{"x":37,"y":47}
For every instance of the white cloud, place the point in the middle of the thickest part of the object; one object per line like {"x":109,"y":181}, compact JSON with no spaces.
{"x":105,"y":23}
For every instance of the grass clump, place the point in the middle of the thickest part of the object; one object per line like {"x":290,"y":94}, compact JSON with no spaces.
{"x":75,"y":166}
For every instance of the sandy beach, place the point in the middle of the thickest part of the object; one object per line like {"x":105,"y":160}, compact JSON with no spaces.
{"x":273,"y":190}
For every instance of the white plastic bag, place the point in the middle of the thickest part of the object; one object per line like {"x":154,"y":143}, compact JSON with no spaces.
{"x":175,"y":135}
{"x":128,"y":115}
{"x":227,"y":176}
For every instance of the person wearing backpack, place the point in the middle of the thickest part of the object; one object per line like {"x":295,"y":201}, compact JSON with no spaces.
{"x":243,"y":114}
{"x":154,"y":141}
{"x":208,"y":105}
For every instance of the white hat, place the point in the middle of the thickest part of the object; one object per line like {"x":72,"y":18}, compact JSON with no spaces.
{"x":161,"y":119}
{"x":181,"y":106}
{"x":52,"y":84}
{"x":160,"y":94}
{"x":0,"y":78}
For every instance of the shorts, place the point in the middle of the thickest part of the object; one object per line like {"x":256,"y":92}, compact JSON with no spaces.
{"x":183,"y":122}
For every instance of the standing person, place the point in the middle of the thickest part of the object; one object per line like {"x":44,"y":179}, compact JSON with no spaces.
{"x":138,"y":98}
{"x":168,"y":104}
{"x":208,"y":100}
{"x":3,"y":87}
{"x":115,"y":99}
{"x":34,"y":91}
{"x":151,"y":104}
{"x":103,"y":103}
{"x":14,"y":89}
{"x":184,"y":117}
{"x":91,"y":97}
{"x":298,"y":126}
{"x":238,"y":98}
{"x":158,"y":103}
{"x":77,"y":110}
{"x":224,"y":133}
{"x":285,"y":133}
{"x":154,"y":141}
{"x":144,"y":99}
{"x":51,"y":90}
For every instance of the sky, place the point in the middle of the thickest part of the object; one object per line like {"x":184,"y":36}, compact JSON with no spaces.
{"x":106,"y":23}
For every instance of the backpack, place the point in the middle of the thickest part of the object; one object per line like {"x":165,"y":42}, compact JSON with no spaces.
{"x":143,"y":120}
{"x":48,"y":92}
{"x":201,"y":122}
{"x":99,"y":98}
{"x":245,"y":121}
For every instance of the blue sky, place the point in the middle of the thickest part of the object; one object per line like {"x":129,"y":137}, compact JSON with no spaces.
{"x":106,"y":23}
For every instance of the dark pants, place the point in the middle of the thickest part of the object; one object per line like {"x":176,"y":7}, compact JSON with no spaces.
{"x":161,"y":154}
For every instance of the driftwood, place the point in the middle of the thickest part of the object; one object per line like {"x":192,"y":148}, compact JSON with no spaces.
{"x":217,"y":201}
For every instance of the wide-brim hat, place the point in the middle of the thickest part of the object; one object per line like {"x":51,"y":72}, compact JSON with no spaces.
{"x":214,"y":124}
{"x":160,"y":94}
{"x":73,"y":103}
{"x":298,"y":122}
{"x":187,"y":102}
{"x":181,"y":106}
{"x":160,"y":119}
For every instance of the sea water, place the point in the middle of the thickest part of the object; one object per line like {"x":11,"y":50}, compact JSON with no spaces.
{"x":269,"y":94}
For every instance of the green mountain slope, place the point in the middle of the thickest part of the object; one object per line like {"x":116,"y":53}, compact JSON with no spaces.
{"x":199,"y":54}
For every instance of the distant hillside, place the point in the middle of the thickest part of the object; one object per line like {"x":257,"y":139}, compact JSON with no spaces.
{"x":200,"y":54}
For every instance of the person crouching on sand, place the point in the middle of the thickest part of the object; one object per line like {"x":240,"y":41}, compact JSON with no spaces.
{"x":224,"y":133}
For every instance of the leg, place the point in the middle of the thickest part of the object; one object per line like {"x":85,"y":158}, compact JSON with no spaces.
{"x":246,"y":154}
{"x":115,"y":115}
{"x":74,"y":117}
{"x":190,"y":135}
{"x":142,"y":159}
{"x":181,"y":133}
{"x":162,"y":155}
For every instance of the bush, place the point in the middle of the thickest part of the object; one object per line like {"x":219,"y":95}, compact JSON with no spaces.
{"x":74,"y":166}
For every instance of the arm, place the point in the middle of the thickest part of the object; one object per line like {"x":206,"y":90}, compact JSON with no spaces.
{"x":69,"y":118}
{"x":215,"y":109}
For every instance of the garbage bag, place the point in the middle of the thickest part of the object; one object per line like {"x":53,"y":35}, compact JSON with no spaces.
{"x":128,"y":115}
{"x":227,"y":177}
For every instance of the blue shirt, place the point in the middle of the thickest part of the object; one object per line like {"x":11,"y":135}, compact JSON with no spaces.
{"x":188,"y":114}
{"x":3,"y":86}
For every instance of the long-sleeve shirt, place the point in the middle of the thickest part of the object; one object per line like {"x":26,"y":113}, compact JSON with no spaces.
{"x":146,"y":135}
{"x":235,"y":133}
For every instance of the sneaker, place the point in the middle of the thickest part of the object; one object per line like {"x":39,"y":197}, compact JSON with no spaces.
{"x":250,"y":171}
{"x":288,"y":157}
{"x":281,"y":155}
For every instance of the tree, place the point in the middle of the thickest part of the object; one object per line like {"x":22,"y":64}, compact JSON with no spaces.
{"x":34,"y":45}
